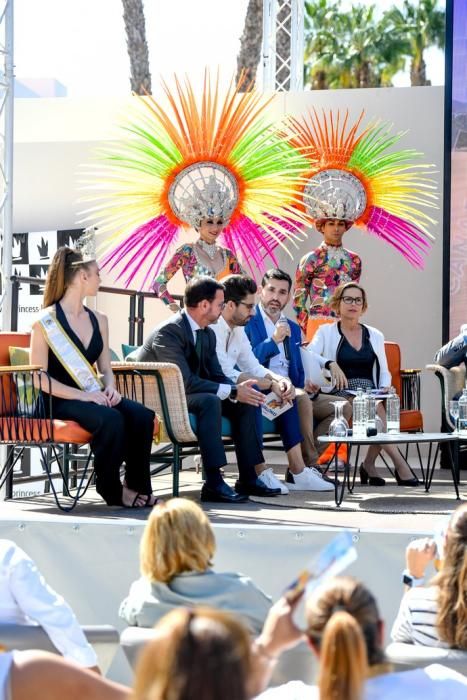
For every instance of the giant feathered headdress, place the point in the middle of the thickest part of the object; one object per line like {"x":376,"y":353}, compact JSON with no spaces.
{"x":354,"y":175}
{"x":192,"y":159}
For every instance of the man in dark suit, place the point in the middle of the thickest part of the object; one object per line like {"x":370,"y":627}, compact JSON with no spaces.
{"x":276,"y":343}
{"x":186,"y":341}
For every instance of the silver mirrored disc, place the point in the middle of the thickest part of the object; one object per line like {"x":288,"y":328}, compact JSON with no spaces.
{"x":335,"y":194}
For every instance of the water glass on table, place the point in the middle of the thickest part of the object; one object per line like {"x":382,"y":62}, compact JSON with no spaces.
{"x":454,"y":411}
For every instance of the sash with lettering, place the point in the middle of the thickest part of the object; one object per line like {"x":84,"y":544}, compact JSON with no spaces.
{"x":68,"y":354}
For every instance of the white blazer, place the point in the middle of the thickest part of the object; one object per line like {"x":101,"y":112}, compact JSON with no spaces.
{"x":326,"y":341}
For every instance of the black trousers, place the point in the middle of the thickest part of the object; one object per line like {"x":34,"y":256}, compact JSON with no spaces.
{"x":120,"y":434}
{"x":209,"y":409}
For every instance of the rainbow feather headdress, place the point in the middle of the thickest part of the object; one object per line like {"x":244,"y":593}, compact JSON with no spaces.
{"x":355,"y":176}
{"x":213,"y":156}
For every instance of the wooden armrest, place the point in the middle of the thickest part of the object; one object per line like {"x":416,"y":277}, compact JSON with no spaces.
{"x":411,"y":371}
{"x":11,"y":369}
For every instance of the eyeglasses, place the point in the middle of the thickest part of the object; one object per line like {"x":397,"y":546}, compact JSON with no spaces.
{"x":250,"y":307}
{"x":358,"y":301}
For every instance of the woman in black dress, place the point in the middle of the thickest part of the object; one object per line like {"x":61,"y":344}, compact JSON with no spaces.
{"x":122,"y":430}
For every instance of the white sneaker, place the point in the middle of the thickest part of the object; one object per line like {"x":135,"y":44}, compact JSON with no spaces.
{"x":308,"y":480}
{"x":269,"y":479}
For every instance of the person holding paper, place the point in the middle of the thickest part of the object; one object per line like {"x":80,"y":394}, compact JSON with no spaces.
{"x":356,"y":358}
{"x":239,"y":363}
{"x":276,"y":344}
{"x":345,"y":631}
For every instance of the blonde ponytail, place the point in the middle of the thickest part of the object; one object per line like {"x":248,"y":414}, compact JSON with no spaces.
{"x":343,"y":659}
{"x":65,"y":264}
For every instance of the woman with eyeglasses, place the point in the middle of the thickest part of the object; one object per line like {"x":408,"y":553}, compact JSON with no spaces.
{"x":204,"y":257}
{"x":356,"y":358}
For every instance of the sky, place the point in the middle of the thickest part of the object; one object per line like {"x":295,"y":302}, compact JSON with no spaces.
{"x":82,"y":43}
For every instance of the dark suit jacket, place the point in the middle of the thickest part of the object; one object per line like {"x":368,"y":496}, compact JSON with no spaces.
{"x":265,"y":348}
{"x":172,"y":341}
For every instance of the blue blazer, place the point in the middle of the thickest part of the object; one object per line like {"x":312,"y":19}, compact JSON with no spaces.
{"x":265,"y":348}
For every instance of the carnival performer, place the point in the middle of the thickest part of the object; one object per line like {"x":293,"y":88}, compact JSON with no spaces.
{"x":353,"y":179}
{"x":202,"y":258}
{"x":66,"y":341}
{"x":214,"y":164}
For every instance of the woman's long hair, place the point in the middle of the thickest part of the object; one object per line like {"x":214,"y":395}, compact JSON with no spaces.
{"x":200,"y":653}
{"x":451,"y":621}
{"x":344,"y":625}
{"x":65,"y":264}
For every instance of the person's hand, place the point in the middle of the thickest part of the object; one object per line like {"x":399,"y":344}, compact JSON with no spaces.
{"x":288,"y":390}
{"x":98,"y":397}
{"x":280,"y":631}
{"x":113,"y":395}
{"x":338,"y":377}
{"x":418,"y":555}
{"x":281,"y":331}
{"x":246,"y":393}
{"x":310,"y":387}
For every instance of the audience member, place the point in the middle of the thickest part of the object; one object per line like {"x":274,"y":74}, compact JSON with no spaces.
{"x":436,"y":615}
{"x":198,"y":653}
{"x":66,"y":341}
{"x":239,"y":363}
{"x":356,"y":358}
{"x":26,"y":598}
{"x":176,"y":554}
{"x":276,"y":344}
{"x":37,"y":674}
{"x":186,"y":341}
{"x":345,"y":631}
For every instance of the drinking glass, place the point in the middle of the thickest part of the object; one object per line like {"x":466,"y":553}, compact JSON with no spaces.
{"x":339,"y":425}
{"x":454,"y":411}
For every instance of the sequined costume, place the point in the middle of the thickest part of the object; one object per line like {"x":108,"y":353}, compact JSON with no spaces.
{"x":318,"y":275}
{"x":186,"y":259}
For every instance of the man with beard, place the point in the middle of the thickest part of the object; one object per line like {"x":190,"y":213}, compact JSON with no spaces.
{"x":276,"y":343}
{"x":186,"y":340}
{"x":239,"y":363}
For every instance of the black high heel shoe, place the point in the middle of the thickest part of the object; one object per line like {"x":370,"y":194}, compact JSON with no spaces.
{"x":365,"y":478}
{"x":407,"y":482}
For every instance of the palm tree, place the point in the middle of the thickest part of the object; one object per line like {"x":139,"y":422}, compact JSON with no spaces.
{"x":320,"y":43}
{"x":424,"y":25}
{"x":135,"y":27}
{"x":250,"y":43}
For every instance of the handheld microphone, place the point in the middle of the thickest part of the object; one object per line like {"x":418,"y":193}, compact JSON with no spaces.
{"x":286,"y":340}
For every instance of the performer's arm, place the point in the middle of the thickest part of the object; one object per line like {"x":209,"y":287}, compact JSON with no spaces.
{"x":302,"y":292}
{"x":159,"y":284}
{"x":356,"y":269}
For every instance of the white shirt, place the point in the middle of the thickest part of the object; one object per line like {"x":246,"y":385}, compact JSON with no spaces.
{"x":279,"y":363}
{"x":25,"y":598}
{"x":416,"y":619}
{"x":224,"y":390}
{"x":234,"y":350}
{"x":434,"y":682}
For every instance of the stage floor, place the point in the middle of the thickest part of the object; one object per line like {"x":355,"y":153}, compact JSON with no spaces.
{"x":388,"y":509}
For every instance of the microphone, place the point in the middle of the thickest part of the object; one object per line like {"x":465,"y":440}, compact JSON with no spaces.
{"x":286,"y":340}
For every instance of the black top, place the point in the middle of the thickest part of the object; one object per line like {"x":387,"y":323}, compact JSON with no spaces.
{"x":356,"y":364}
{"x":91,"y":353}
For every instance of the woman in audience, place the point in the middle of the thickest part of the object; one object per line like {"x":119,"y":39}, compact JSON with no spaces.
{"x":436,"y":615}
{"x":38,"y":675}
{"x":345,"y":631}
{"x":67,"y":341}
{"x":200,"y":654}
{"x":176,"y":553}
{"x":356,"y":359}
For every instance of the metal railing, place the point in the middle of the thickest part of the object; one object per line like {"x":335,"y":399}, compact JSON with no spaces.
{"x":135,"y":305}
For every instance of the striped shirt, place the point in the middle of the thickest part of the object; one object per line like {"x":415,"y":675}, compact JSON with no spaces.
{"x":416,"y":620}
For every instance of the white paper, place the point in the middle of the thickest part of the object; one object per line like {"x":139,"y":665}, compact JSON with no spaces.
{"x":272,"y":406}
{"x":314,"y":372}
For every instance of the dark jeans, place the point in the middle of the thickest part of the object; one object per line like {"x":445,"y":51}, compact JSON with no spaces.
{"x":120,"y":434}
{"x":209,"y":409}
{"x":287,"y":424}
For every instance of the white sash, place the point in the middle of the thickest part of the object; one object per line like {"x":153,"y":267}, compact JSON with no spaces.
{"x":68,"y":354}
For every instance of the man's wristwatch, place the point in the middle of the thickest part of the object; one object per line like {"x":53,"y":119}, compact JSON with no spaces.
{"x":328,"y":363}
{"x":233,"y":392}
{"x":411,"y":581}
